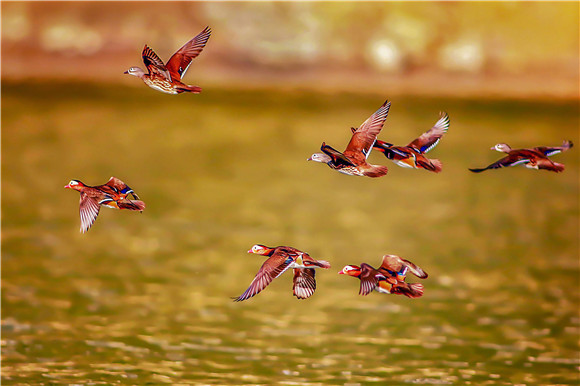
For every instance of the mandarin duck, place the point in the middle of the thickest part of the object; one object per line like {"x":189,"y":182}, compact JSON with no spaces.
{"x":113,"y":194}
{"x":167,"y":77}
{"x":281,"y":259}
{"x":535,"y":158}
{"x":389,"y":278}
{"x":354,"y":159}
{"x":413,"y":155}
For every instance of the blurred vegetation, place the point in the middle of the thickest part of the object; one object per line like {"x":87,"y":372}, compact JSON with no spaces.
{"x":434,"y":47}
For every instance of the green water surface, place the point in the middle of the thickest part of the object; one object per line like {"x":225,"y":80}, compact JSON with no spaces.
{"x":145,"y":298}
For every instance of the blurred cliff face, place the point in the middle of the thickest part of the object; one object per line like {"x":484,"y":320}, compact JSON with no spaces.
{"x":309,"y":43}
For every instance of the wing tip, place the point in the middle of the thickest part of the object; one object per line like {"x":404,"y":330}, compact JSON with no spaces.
{"x":443,"y":121}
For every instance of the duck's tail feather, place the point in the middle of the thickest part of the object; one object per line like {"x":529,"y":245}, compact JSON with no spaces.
{"x":192,"y":89}
{"x":375,"y":171}
{"x":131,"y":205}
{"x":433,"y":165}
{"x":410,"y":290}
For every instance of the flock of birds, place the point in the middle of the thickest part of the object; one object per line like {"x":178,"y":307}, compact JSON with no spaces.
{"x":390,"y":277}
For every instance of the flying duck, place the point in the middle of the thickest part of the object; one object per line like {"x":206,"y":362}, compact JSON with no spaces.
{"x":167,"y":77}
{"x":389,"y":278}
{"x":413,"y":155}
{"x":353,"y":161}
{"x":534,"y":158}
{"x":113,"y":194}
{"x":280,"y":259}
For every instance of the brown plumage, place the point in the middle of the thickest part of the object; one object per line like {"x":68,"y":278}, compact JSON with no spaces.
{"x":534,"y":158}
{"x":413,"y":155}
{"x":395,"y":264}
{"x":388,"y":278}
{"x":279,"y":261}
{"x":167,"y":77}
{"x":304,"y":282}
{"x":113,"y":194}
{"x":353,"y":161}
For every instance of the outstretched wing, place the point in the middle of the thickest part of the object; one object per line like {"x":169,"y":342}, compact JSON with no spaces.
{"x":154,"y":64}
{"x":502,"y":163}
{"x":178,"y":64}
{"x":271,"y":269}
{"x":304,"y":282}
{"x":89,"y":210}
{"x":393,"y":264}
{"x":364,"y":137}
{"x":431,"y":138}
{"x":548,"y":151}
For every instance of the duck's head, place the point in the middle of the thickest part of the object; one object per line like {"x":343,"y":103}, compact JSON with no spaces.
{"x":74,"y":184}
{"x":260,"y":249}
{"x":135,"y":71}
{"x":502,"y":148}
{"x":350,"y":270}
{"x":320,"y":157}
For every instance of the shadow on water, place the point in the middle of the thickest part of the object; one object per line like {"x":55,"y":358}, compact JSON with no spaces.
{"x":145,"y":298}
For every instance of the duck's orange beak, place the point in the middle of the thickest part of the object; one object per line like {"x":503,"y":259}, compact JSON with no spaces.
{"x":341,"y":272}
{"x":250,"y":251}
{"x":67,"y":186}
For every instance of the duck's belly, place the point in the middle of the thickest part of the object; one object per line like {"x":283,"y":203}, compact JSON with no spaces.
{"x":351,"y":171}
{"x":165,"y":87}
{"x":406,"y":163}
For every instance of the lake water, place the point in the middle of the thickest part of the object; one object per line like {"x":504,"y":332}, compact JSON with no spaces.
{"x":146,"y":298}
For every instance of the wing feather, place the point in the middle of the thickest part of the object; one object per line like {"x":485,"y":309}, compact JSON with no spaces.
{"x":364,"y":137}
{"x":121,"y":187}
{"x":549,"y":151}
{"x":431,"y":138}
{"x":368,"y":279}
{"x":504,"y":162}
{"x":271,"y":269}
{"x":178,"y":64}
{"x":89,"y":210}
{"x":337,"y":157}
{"x":304,"y":282}
{"x":393,"y":264}
{"x":154,"y":64}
